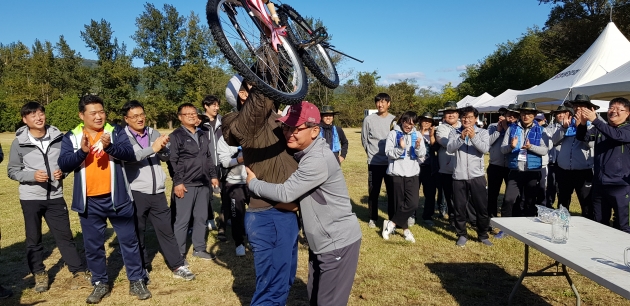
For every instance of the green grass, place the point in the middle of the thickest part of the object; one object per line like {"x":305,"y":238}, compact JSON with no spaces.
{"x":433,"y":271}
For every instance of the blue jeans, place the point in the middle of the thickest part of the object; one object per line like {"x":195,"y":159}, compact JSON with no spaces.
{"x":272,"y":235}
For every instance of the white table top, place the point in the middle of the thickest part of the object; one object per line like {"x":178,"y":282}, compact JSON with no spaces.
{"x":593,"y":249}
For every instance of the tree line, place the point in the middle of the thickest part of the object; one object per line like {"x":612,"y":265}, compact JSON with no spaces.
{"x":181,"y":63}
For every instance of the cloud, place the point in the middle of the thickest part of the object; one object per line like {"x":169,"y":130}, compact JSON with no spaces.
{"x":461,"y":68}
{"x":406,"y":75}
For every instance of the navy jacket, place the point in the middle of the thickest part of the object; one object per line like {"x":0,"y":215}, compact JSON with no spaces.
{"x":72,"y":158}
{"x":612,"y":151}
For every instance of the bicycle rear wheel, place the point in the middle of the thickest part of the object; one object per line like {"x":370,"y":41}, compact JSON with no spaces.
{"x":279,"y":75}
{"x":315,"y":57}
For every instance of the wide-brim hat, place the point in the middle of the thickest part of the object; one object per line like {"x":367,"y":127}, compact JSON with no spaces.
{"x":503,"y":109}
{"x":528,"y":106}
{"x":450,"y":105}
{"x":328,"y":109}
{"x":581,"y":99}
{"x":562,"y":109}
{"x":513,"y":108}
{"x":427,"y":116}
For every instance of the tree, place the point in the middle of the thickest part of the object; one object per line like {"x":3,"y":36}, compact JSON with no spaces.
{"x":116,"y":78}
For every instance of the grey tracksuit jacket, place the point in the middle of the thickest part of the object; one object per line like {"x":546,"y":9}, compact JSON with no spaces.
{"x":146,"y":174}
{"x":26,"y":158}
{"x":320,"y":187}
{"x":574,"y":154}
{"x":496,"y":138}
{"x":541,"y":150}
{"x":228,"y":156}
{"x":446,"y":160}
{"x":468,"y":161}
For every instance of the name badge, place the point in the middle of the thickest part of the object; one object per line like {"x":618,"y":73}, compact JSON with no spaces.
{"x":522,"y":155}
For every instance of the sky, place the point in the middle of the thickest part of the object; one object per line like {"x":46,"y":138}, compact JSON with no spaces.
{"x":428,"y":41}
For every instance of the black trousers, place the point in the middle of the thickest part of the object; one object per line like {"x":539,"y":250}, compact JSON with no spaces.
{"x":471,"y":191}
{"x":615,"y":198}
{"x":446,"y":180}
{"x":55,"y":212}
{"x":406,"y":196}
{"x":155,"y":208}
{"x":527,"y":181}
{"x":579,"y":180}
{"x":235,"y":196}
{"x":376,"y":175}
{"x":428,"y":180}
{"x":552,"y":185}
{"x":497,"y":175}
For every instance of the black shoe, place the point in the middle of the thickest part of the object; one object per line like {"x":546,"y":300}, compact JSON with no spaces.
{"x":5,"y":293}
{"x":139,"y":289}
{"x":101,"y":290}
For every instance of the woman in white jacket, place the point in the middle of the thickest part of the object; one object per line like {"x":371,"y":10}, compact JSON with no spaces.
{"x":405,"y":150}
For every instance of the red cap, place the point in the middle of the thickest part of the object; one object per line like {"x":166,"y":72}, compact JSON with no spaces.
{"x":300,"y":113}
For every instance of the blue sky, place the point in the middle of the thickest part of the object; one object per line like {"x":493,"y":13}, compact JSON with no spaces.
{"x":430,"y":41}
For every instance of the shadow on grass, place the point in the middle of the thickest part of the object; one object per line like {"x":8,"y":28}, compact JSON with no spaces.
{"x":15,"y":273}
{"x":482,"y":284}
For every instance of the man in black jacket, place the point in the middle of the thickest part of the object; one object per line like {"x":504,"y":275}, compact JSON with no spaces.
{"x":193,"y":172}
{"x":334,"y":135}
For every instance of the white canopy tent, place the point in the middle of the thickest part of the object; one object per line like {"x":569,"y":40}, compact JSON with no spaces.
{"x":465,"y":100}
{"x":609,"y":51}
{"x":611,"y":85}
{"x":485,"y":97}
{"x":506,"y":98}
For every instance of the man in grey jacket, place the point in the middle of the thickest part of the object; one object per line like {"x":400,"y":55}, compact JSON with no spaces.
{"x":33,"y":163}
{"x":575,"y":161}
{"x":374,"y":132}
{"x":445,"y":158}
{"x":469,"y":144}
{"x":147,"y":183}
{"x":332,"y":229}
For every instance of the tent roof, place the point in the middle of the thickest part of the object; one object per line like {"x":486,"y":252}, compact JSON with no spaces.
{"x":506,"y":98}
{"x":609,"y":86}
{"x":485,"y":97}
{"x":465,"y":101}
{"x":609,"y":51}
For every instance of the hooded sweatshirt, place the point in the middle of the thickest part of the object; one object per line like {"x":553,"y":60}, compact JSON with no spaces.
{"x":402,"y":162}
{"x":469,"y":160}
{"x":26,"y":158}
{"x":228,"y":158}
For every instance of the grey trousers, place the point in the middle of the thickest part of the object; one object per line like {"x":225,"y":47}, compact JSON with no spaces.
{"x":331,"y":275}
{"x":195,"y":203}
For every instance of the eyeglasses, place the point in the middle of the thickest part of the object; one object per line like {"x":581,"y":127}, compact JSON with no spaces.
{"x":468,"y":118}
{"x":189,"y":114}
{"x":138,"y":116}
{"x":293,"y":129}
{"x":616,"y":109}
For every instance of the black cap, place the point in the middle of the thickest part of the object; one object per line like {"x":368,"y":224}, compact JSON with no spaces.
{"x":581,"y":99}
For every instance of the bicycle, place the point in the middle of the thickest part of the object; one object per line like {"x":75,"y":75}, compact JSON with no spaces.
{"x":269,"y":55}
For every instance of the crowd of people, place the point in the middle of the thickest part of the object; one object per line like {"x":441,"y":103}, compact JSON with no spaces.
{"x":578,"y":152}
{"x":278,"y":173}
{"x":266,"y":167}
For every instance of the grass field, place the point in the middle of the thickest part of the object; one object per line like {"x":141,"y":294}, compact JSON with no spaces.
{"x":433,"y":271}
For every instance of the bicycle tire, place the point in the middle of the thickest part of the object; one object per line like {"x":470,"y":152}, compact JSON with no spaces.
{"x":314,"y":57}
{"x":248,"y":51}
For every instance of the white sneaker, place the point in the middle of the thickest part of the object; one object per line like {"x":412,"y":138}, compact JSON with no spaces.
{"x":409,"y":236}
{"x":411,"y":221}
{"x":211,"y":225}
{"x":240,"y":250}
{"x":386,"y":229}
{"x":372,"y":224}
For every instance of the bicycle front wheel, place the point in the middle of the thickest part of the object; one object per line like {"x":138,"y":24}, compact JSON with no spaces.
{"x":315,"y":57}
{"x":279,"y":75}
